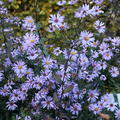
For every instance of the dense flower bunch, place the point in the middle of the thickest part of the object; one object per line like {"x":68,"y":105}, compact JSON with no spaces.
{"x":67,"y":83}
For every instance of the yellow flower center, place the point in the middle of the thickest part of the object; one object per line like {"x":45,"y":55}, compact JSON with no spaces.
{"x":44,"y":90}
{"x":47,"y":62}
{"x":73,"y":53}
{"x":30,"y":21}
{"x":107,"y":54}
{"x":32,"y":41}
{"x":86,"y":38}
{"x":105,"y":100}
{"x":96,"y":109}
{"x":27,"y":72}
{"x":20,"y":67}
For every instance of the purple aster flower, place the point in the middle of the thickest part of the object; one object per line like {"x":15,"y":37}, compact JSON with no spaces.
{"x":73,"y":54}
{"x":99,"y":26}
{"x":93,"y":95}
{"x":41,"y":94}
{"x":105,"y":99}
{"x":47,"y":62}
{"x":103,"y":77}
{"x":56,"y":20}
{"x":114,"y":71}
{"x":63,"y":26}
{"x":107,"y":54}
{"x":75,"y":108}
{"x":29,"y":73}
{"x":51,"y":28}
{"x":20,"y":68}
{"x":112,"y":106}
{"x":7,"y":62}
{"x":38,"y":82}
{"x":5,"y":91}
{"x":115,"y":41}
{"x":28,"y":23}
{"x":86,"y":38}
{"x":11,"y":105}
{"x":48,"y":103}
{"x":82,"y":11}
{"x":84,"y":62}
{"x":60,"y":3}
{"x":95,"y":108}
{"x":30,"y":39}
{"x":96,"y":10}
{"x":32,"y":54}
{"x":77,"y":94}
{"x":57,"y":51}
{"x":15,"y":95}
{"x":29,"y":82}
{"x":117,"y":114}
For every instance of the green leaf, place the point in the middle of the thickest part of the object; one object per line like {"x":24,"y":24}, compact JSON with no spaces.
{"x":68,"y":89}
{"x":58,"y":79}
{"x":55,"y":97}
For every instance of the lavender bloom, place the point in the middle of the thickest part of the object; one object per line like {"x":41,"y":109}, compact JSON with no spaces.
{"x":86,"y":38}
{"x":30,"y":40}
{"x":95,"y":108}
{"x":82,"y":11}
{"x":111,"y":106}
{"x":5,"y":91}
{"x":117,"y":114}
{"x":75,"y":108}
{"x":51,"y":28}
{"x":56,"y":20}
{"x":115,"y":41}
{"x":114,"y":71}
{"x":20,"y":68}
{"x":47,"y":62}
{"x":57,"y":51}
{"x":99,"y":26}
{"x":93,"y":95}
{"x":96,"y":11}
{"x":103,"y":77}
{"x":15,"y":95}
{"x":60,"y":3}
{"x":28,"y":23}
{"x":32,"y":54}
{"x":11,"y":105}
{"x":38,"y":82}
{"x":7,"y":62}
{"x":48,"y":103}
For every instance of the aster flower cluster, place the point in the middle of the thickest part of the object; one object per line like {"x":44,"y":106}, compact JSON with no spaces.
{"x":3,"y":9}
{"x":67,"y":81}
{"x":85,"y":10}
